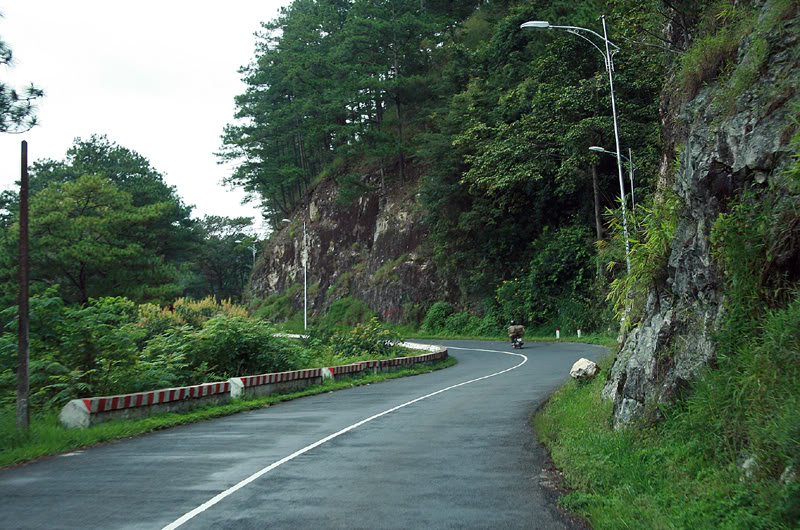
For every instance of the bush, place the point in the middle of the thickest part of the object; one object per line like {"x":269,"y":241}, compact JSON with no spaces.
{"x":346,"y":313}
{"x":560,"y":271}
{"x":228,"y":347}
{"x":276,"y":307}
{"x":489,"y":326}
{"x":365,"y":339}
{"x":413,"y":313}
{"x":512,"y":301}
{"x":436,"y":318}
{"x":112,"y":346}
{"x":462,"y":324}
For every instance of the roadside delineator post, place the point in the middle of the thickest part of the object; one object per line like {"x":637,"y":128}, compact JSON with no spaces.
{"x":558,"y":333}
{"x":579,"y":332}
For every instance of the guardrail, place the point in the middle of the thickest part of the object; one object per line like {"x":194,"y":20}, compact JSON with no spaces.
{"x":81,"y":413}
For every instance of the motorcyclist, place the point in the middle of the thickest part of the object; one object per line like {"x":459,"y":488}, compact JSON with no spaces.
{"x":515,"y":331}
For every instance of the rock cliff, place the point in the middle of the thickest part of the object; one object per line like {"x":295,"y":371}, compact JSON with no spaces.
{"x":371,"y":248}
{"x":729,"y":140}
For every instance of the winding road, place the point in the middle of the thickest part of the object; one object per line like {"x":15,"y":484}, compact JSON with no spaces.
{"x":448,"y":449}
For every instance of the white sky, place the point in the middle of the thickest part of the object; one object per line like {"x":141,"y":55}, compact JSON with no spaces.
{"x":157,"y":77}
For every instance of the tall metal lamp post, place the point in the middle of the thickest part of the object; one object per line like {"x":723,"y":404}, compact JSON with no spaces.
{"x":607,"y":52}
{"x":305,"y":274}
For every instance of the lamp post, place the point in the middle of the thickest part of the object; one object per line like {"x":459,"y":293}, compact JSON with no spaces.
{"x":631,"y":166}
{"x":607,"y":52}
{"x":305,"y":274}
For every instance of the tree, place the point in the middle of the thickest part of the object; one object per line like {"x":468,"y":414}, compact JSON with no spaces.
{"x":224,"y":258}
{"x":85,"y":237}
{"x":170,"y":235}
{"x":17,"y":110}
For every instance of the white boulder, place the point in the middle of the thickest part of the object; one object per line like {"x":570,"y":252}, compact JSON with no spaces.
{"x":584,"y":370}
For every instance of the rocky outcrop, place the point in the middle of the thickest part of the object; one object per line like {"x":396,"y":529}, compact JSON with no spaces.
{"x":372,"y":248}
{"x":725,"y":150}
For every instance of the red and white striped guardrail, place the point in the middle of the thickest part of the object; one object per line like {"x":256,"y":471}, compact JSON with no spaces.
{"x":82,"y":413}
{"x":103,"y":404}
{"x":89,"y":411}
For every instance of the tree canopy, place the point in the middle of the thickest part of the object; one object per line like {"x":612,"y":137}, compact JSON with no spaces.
{"x":497,"y":119}
{"x":17,"y":109}
{"x":103,"y":222}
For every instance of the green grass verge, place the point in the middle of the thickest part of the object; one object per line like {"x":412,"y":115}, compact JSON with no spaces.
{"x":47,"y":437}
{"x":660,"y":476}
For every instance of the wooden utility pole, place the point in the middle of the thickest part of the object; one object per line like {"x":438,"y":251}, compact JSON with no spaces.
{"x":23,"y":411}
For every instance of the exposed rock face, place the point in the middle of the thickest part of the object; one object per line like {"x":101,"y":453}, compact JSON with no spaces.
{"x":372,"y":249}
{"x":723,"y":153}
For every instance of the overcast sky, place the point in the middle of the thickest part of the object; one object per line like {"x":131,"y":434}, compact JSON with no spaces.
{"x":157,"y":77}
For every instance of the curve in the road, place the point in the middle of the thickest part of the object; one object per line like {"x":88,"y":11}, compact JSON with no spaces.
{"x":217,"y":498}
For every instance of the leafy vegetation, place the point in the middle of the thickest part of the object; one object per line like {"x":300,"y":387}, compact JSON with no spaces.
{"x":726,"y":454}
{"x":487,"y":114}
{"x":113,"y":346}
{"x":105,"y":223}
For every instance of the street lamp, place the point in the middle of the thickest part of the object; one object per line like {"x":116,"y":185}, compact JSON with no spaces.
{"x":608,"y":57}
{"x":305,"y":274}
{"x":628,"y":158}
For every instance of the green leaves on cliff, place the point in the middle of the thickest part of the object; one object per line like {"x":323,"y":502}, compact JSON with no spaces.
{"x":330,"y":79}
{"x":510,"y":153}
{"x":497,"y":120}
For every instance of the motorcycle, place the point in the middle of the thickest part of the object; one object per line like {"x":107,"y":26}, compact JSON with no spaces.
{"x":516,"y":342}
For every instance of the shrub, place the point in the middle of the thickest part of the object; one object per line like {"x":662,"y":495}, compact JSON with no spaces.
{"x":365,"y":339}
{"x":413,"y":313}
{"x":226,"y":346}
{"x":462,"y":324}
{"x":276,"y":307}
{"x":74,"y":351}
{"x":346,"y":313}
{"x":436,"y":318}
{"x":653,"y":229}
{"x":488,"y":326}
{"x":512,"y":302}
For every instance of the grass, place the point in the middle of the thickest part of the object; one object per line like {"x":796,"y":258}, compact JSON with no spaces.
{"x":47,"y":437}
{"x":685,"y":471}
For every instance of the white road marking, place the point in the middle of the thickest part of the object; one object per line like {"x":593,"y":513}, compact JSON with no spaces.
{"x":233,"y":489}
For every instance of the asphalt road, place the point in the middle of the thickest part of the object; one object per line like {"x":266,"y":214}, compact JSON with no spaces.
{"x":464,"y":456}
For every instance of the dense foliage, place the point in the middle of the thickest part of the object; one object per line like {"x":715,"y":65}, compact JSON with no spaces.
{"x":103,"y":222}
{"x":111,"y":345}
{"x":495,"y":120}
{"x":725,"y":455}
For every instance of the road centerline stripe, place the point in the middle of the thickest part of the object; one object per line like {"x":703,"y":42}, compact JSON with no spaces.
{"x":236,"y":487}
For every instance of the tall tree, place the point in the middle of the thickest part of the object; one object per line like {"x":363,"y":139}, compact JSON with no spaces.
{"x":17,"y":110}
{"x":84,"y":237}
{"x":225,"y":257}
{"x":166,"y":233}
{"x":171,"y":234}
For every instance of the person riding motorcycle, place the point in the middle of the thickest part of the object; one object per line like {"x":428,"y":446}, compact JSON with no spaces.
{"x":515,"y":333}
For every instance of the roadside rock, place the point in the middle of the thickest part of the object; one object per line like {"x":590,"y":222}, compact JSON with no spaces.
{"x":584,"y":370}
